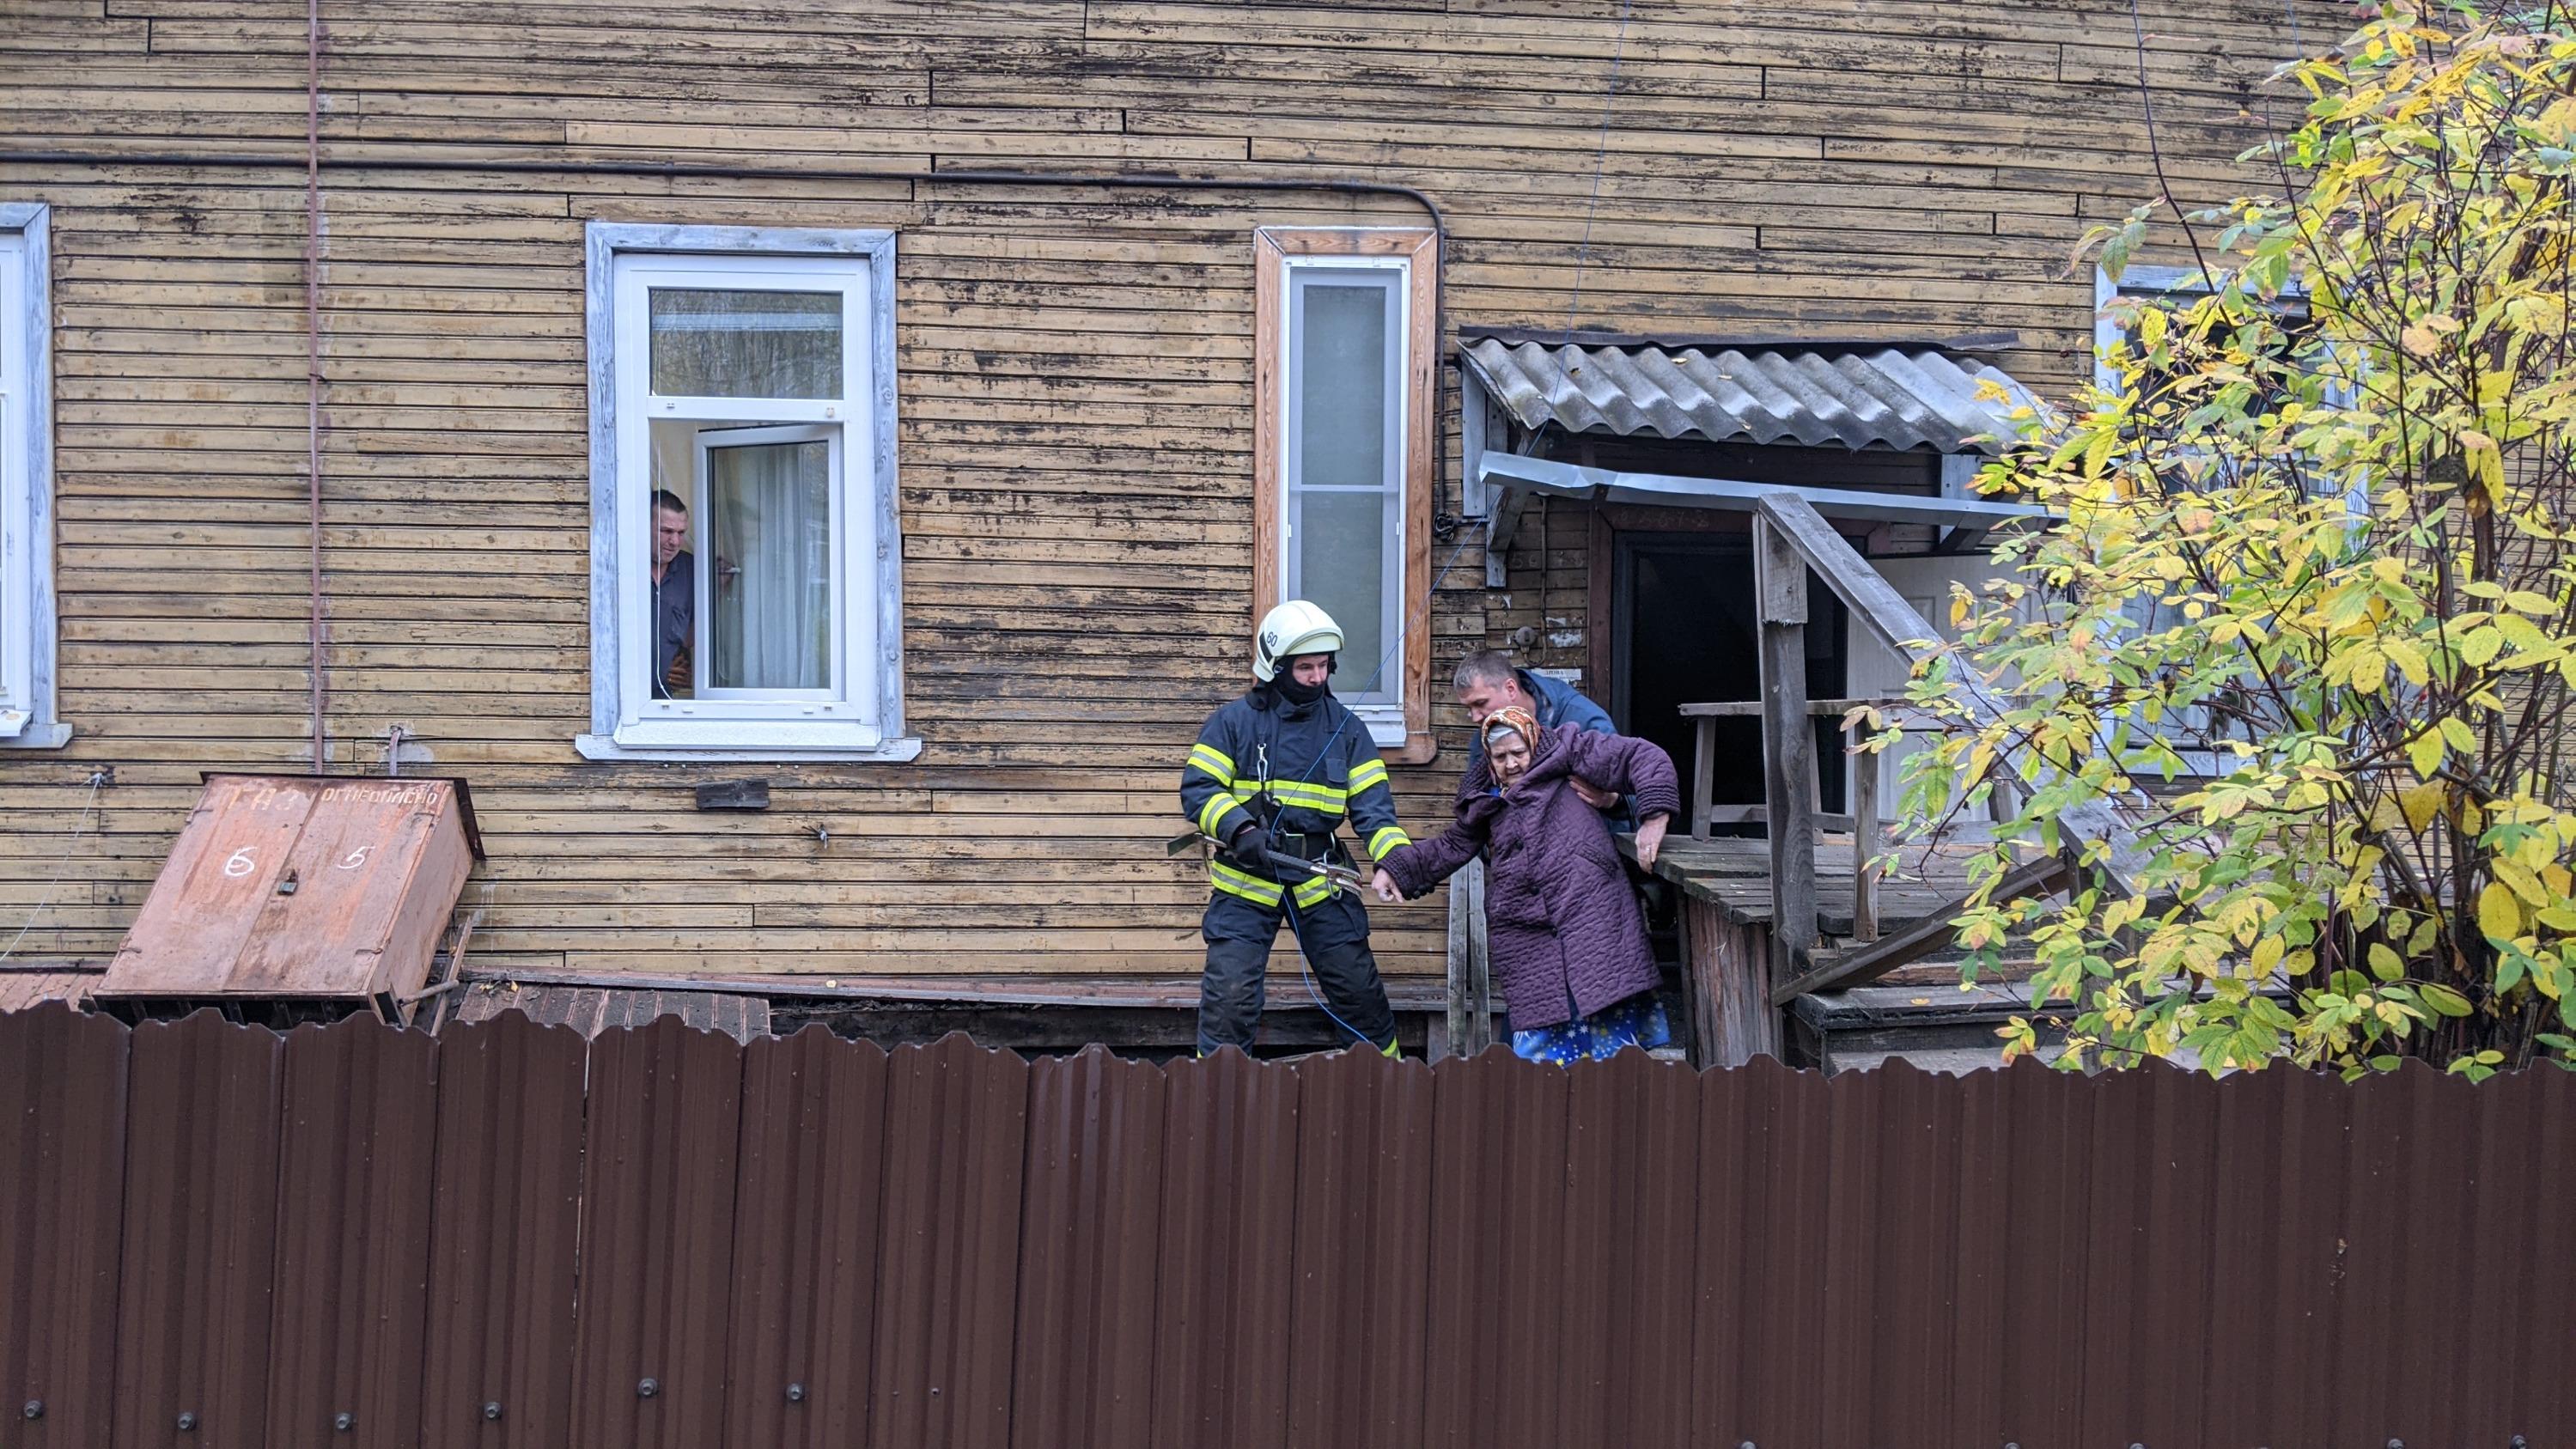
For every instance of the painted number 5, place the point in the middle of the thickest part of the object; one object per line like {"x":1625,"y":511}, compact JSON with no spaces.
{"x":240,"y":862}
{"x":355,"y":858}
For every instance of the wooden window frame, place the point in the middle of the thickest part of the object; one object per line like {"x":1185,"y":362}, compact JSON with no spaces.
{"x":1274,"y":249}
{"x":27,"y":605}
{"x":626,"y":723}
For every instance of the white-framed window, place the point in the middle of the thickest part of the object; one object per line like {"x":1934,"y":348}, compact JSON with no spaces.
{"x":746,"y":588}
{"x":2193,"y":727}
{"x":2179,"y":286}
{"x":27,"y":718}
{"x":1343,"y":453}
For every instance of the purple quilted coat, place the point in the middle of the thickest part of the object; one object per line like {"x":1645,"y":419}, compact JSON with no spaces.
{"x":1565,"y":933}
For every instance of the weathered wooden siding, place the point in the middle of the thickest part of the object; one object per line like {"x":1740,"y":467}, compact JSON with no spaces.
{"x":1075,"y":376}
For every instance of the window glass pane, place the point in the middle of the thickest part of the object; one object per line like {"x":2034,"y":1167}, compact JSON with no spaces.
{"x":1342,"y":374}
{"x":1341,"y":564}
{"x":768,"y":524}
{"x":746,"y":344}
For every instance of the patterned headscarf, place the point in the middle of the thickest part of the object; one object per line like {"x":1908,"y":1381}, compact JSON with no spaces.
{"x":1514,"y":719}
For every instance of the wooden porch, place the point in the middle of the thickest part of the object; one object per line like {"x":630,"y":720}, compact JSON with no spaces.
{"x":1802,"y":944}
{"x":1915,"y":1007}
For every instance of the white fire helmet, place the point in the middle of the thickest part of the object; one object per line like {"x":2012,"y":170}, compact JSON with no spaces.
{"x":1295,"y":627}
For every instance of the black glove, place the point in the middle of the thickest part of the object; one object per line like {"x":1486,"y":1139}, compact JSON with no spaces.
{"x":1250,"y":847}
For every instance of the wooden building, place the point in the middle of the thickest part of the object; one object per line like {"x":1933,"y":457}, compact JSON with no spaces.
{"x":1012,"y":356}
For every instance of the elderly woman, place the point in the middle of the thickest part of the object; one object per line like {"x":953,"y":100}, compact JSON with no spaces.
{"x":1565,"y":932}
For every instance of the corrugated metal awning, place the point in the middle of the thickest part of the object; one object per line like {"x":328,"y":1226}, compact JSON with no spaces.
{"x":1892,"y":397}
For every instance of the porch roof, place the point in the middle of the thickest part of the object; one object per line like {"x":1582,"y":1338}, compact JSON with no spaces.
{"x":1860,"y":397}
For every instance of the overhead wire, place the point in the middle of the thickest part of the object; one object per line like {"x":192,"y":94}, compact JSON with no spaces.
{"x":1574,"y":304}
{"x":1600,"y":163}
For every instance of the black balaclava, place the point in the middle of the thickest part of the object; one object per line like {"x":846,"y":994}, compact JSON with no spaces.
{"x":1286,"y":685}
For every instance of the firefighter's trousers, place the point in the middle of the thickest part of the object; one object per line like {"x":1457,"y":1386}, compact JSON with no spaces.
{"x":1334,"y":933}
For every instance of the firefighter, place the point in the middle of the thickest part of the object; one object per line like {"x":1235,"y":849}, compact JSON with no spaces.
{"x":1274,"y":773}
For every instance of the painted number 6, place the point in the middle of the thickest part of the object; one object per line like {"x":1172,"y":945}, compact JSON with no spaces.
{"x":239,"y":863}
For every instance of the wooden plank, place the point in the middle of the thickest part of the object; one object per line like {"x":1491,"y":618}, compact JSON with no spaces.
{"x":1864,"y":828}
{"x":1703,"y":773}
{"x":1788,"y":747}
{"x":1932,"y":932}
{"x":1752,"y":708}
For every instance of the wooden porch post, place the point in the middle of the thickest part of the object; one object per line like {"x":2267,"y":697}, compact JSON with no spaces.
{"x":1788,"y":748}
{"x":1470,"y":1017}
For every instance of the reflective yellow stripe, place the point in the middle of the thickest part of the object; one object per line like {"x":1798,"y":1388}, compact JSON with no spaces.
{"x":1211,"y":759}
{"x":1239,"y":883}
{"x":1367,"y":773}
{"x":1386,"y":840}
{"x":1213,"y":812}
{"x":1313,"y":797}
{"x":1313,"y":891}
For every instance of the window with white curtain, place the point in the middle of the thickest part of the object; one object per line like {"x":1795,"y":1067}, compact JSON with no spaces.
{"x":746,"y":593}
{"x":1343,"y":456}
{"x":26,"y":484}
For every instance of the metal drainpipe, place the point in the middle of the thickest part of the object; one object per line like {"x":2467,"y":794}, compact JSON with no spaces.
{"x":313,"y":359}
{"x":314,"y":161}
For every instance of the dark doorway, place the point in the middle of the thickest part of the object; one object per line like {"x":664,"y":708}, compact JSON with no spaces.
{"x":1682,"y":632}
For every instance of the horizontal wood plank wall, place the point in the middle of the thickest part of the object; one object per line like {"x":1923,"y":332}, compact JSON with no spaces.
{"x":1075,"y":375}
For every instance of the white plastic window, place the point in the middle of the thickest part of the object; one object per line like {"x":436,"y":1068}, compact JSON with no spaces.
{"x":750,"y":580}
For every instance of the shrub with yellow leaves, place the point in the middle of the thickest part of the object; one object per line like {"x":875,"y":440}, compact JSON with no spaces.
{"x":2307,"y":612}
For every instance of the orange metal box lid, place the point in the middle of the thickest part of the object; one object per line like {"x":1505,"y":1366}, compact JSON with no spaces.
{"x":302,"y":886}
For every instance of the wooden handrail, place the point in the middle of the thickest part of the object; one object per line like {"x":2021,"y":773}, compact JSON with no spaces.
{"x":1752,"y":708}
{"x":1790,"y":540}
{"x":1861,"y":819}
{"x":1800,"y":530}
{"x":1930,"y":933}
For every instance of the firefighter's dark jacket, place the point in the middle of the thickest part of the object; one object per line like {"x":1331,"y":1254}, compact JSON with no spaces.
{"x":1298,"y":769}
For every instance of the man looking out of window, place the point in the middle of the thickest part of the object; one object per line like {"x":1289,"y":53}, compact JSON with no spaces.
{"x":675,"y":596}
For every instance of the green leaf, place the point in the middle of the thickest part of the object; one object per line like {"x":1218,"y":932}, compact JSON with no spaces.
{"x":2443,"y":999}
{"x":2384,"y":963}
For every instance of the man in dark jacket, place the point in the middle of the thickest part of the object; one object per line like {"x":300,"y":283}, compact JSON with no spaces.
{"x":675,"y":596}
{"x":1487,"y":682}
{"x":1275,"y":773}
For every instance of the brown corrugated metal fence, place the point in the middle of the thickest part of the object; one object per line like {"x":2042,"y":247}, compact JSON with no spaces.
{"x":508,"y":1238}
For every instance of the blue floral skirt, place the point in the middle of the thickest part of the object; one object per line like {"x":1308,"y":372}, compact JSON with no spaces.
{"x":1636,"y":1022}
